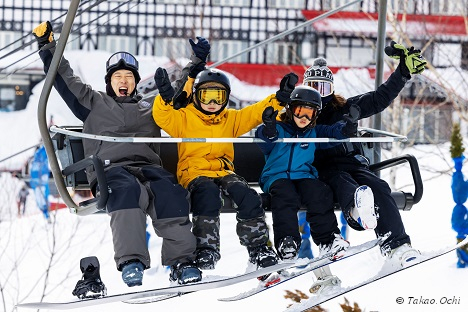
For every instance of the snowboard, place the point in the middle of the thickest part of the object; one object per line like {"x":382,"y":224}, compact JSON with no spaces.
{"x":386,"y":271}
{"x":285,"y":275}
{"x":153,"y":295}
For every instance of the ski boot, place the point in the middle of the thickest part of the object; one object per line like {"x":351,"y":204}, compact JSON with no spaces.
{"x":336,"y":248}
{"x":365,"y":208}
{"x":326,"y":282}
{"x":90,"y":285}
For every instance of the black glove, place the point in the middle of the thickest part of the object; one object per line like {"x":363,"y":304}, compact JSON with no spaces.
{"x":44,"y":34}
{"x":287,"y":84}
{"x":269,"y":120}
{"x":164,"y":84}
{"x":195,"y":69}
{"x":350,"y":121}
{"x":180,"y":100}
{"x":411,"y":61}
{"x":201,"y":49}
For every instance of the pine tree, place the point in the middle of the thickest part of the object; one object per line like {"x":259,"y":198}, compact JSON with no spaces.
{"x":456,"y":142}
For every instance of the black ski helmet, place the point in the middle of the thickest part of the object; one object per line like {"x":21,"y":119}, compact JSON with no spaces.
{"x":212,"y":75}
{"x":307,"y":96}
{"x":122,"y":60}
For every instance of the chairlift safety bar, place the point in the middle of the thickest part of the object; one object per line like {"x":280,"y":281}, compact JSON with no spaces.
{"x":391,"y":137}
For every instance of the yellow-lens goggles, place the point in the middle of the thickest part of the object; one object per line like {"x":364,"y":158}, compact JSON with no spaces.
{"x":206,"y":96}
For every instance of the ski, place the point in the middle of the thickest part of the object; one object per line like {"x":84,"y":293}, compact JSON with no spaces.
{"x":158,"y":294}
{"x":386,"y":271}
{"x":285,"y":275}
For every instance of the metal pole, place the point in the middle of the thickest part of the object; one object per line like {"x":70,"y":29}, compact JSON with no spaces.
{"x":42,"y":106}
{"x":285,"y":33}
{"x":380,"y":46}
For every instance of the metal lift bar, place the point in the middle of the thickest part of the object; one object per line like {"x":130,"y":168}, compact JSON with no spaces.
{"x":42,"y":107}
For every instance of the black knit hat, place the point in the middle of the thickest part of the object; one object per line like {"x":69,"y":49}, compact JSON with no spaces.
{"x":319,"y":71}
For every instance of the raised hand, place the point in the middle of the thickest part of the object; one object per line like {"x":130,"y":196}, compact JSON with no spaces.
{"x":161,"y":78}
{"x":287,"y":84}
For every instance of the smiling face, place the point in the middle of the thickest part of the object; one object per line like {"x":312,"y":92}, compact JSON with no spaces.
{"x":123,"y":82}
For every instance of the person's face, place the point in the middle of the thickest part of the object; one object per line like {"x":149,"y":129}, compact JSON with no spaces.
{"x":301,"y":122}
{"x":123,"y":82}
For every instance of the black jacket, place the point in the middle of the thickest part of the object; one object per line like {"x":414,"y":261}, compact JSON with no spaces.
{"x":342,"y":155}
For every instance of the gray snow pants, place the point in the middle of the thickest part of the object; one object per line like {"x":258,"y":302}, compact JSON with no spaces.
{"x":151,"y":190}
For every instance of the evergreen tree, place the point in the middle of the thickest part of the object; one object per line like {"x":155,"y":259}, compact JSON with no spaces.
{"x":456,"y":142}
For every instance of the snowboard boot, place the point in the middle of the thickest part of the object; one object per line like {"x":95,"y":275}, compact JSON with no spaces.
{"x":207,"y":258}
{"x":262,"y":257}
{"x":364,"y":209}
{"x":404,"y":255}
{"x":336,"y":248}
{"x":132,"y":273}
{"x":185,"y":273}
{"x":90,"y":285}
{"x":288,"y":248}
{"x":326,"y":282}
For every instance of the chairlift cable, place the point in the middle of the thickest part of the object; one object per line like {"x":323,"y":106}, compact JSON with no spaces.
{"x":31,"y":42}
{"x":29,"y":34}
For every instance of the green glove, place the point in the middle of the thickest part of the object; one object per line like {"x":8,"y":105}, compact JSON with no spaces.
{"x":411,"y":61}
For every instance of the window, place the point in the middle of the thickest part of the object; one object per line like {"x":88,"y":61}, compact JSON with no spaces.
{"x":230,"y":3}
{"x":226,"y":48}
{"x":176,"y":1}
{"x":282,"y":53}
{"x":8,"y":37}
{"x":172,"y":48}
{"x":286,"y":4}
{"x":119,"y":43}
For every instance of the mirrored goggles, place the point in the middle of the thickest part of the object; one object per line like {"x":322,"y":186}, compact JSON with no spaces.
{"x":206,"y":96}
{"x":128,"y":59}
{"x":325,"y":88}
{"x":301,"y":111}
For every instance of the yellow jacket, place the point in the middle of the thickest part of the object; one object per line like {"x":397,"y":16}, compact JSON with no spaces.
{"x":207,"y":159}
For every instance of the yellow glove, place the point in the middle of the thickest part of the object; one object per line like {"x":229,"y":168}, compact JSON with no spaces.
{"x":44,"y":34}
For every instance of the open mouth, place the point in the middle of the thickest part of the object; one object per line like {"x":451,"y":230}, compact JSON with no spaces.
{"x":123,"y":91}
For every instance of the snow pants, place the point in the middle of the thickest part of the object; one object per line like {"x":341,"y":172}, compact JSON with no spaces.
{"x":344,"y":184}
{"x":151,"y":190}
{"x":206,"y":199}
{"x":288,"y":196}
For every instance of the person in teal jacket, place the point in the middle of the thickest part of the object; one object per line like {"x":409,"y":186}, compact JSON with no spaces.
{"x":292,"y":181}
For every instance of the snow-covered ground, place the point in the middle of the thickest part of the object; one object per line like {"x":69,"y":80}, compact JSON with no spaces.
{"x":40,"y":260}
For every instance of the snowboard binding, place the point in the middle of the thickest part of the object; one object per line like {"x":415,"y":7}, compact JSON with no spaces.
{"x":90,"y":285}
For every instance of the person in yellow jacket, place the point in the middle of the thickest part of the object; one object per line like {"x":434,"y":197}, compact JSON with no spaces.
{"x":206,"y":169}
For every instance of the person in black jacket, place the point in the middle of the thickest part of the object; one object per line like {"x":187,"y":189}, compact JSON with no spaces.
{"x":365,"y":199}
{"x":139,"y":185}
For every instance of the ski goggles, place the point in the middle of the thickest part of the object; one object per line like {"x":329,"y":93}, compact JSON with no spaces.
{"x":301,"y":111}
{"x":325,"y":88}
{"x":118,"y":57}
{"x":206,"y":96}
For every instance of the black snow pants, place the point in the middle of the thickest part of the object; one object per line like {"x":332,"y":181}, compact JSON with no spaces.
{"x":288,"y":196}
{"x":206,"y":199}
{"x":344,"y":184}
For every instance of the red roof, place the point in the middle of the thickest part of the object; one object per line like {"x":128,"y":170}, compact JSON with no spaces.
{"x":269,"y":74}
{"x":366,"y":23}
